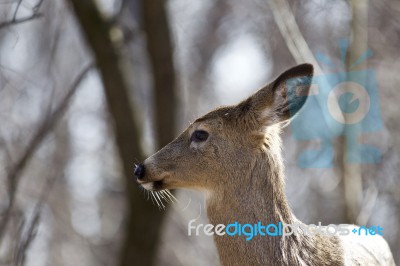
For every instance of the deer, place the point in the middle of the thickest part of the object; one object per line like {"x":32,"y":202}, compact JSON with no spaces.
{"x":233,"y":155}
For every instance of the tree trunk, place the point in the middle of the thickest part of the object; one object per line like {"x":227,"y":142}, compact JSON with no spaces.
{"x":351,"y":171}
{"x":144,"y":220}
{"x":160,"y":53}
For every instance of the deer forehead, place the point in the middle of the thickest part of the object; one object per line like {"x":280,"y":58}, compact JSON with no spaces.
{"x":204,"y":125}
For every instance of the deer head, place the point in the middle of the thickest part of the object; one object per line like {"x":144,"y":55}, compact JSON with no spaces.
{"x":219,"y":148}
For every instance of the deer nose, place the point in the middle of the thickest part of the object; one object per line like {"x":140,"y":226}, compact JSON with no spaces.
{"x":139,"y":171}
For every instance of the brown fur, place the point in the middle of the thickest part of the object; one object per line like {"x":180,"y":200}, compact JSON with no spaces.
{"x":240,"y":167}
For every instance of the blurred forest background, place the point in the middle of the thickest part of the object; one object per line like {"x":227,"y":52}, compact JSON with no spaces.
{"x":89,"y":88}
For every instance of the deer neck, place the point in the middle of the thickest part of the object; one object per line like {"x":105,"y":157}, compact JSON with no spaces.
{"x":259,"y":195}
{"x":255,"y":193}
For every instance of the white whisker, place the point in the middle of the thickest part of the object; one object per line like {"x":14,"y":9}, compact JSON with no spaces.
{"x":164,"y":196}
{"x":158,"y":196}
{"x":155,"y":199}
{"x":152,"y":197}
{"x":172,"y":195}
{"x":168,"y":196}
{"x":190,"y":200}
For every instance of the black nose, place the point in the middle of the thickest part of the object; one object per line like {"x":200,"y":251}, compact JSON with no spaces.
{"x":139,"y":171}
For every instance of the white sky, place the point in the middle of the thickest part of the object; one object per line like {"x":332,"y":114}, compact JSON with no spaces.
{"x":239,"y":68}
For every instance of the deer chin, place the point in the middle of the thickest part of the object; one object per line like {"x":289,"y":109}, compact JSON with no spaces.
{"x":153,"y":185}
{"x":155,"y":182}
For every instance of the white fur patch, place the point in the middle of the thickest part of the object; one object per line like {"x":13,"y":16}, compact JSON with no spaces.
{"x":148,"y":186}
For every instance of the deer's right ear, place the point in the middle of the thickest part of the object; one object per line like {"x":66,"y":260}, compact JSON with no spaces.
{"x":281,"y":99}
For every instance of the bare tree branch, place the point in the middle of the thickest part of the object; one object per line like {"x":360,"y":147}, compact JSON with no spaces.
{"x":37,"y":6}
{"x":46,"y":126}
{"x":16,"y":10}
{"x":15,"y":21}
{"x":27,"y":238}
{"x":290,"y":31}
{"x":59,"y":160}
{"x":20,"y":20}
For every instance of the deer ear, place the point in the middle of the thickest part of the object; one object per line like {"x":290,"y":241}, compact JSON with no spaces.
{"x":282,"y":98}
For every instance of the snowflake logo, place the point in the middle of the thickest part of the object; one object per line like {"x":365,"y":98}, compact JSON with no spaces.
{"x":340,"y":104}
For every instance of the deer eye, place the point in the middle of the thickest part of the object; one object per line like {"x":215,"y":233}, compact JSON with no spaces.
{"x":199,"y":136}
